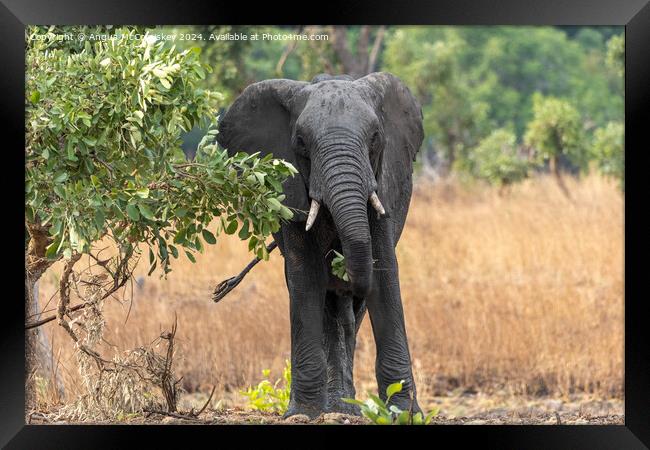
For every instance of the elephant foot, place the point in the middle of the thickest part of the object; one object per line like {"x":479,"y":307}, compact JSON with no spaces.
{"x":339,"y":406}
{"x":308,"y":410}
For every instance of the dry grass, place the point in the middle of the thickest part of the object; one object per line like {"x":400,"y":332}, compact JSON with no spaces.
{"x":521,"y":293}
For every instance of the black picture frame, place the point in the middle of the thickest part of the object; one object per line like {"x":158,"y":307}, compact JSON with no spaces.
{"x":633,"y":14}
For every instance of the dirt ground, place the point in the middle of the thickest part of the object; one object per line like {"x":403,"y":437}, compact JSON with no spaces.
{"x":455,"y":409}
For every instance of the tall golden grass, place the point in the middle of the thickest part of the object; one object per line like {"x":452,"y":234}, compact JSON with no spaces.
{"x":520,"y":292}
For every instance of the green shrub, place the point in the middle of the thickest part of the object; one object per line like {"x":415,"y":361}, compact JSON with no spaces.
{"x":607,"y":150}
{"x":495,"y":159}
{"x":379,"y":413}
{"x":556,"y":129}
{"x":270,"y":397}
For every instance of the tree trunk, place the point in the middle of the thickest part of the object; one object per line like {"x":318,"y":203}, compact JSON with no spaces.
{"x":362,"y":61}
{"x":554,"y":167}
{"x":35,"y":265}
{"x":31,"y":343}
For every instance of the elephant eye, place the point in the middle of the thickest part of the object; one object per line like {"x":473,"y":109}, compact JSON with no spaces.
{"x":300,"y":142}
{"x":374,"y":141}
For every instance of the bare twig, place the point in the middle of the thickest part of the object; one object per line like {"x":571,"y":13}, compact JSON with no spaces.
{"x":206,"y":403}
{"x":372,"y":59}
{"x":169,"y":388}
{"x":171,"y":414}
{"x":287,"y":51}
{"x":120,"y":277}
{"x":231,"y":283}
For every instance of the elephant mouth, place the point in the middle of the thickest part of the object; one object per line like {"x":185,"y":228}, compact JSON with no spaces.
{"x":351,"y":220}
{"x":315,"y":207}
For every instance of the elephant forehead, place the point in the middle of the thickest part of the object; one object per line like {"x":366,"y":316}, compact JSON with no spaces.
{"x":337,"y":98}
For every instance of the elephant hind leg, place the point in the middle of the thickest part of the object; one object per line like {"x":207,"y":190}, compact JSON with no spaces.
{"x":340,"y":330}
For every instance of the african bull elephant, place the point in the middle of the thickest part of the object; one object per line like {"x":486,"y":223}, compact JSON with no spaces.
{"x":353,"y":143}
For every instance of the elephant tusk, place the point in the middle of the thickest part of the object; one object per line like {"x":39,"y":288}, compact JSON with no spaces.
{"x":374,"y":201}
{"x":313,"y":212}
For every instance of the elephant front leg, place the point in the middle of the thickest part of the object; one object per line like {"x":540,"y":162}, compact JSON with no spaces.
{"x":340,"y":341}
{"x":306,"y":283}
{"x":393,"y":362}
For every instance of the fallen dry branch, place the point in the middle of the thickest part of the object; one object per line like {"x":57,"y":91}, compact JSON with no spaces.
{"x":231,"y":283}
{"x":149,"y":412}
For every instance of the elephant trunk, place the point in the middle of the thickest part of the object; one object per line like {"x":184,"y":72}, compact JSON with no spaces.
{"x":348,"y":182}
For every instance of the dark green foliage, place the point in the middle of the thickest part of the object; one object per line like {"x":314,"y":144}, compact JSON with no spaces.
{"x":103,"y":154}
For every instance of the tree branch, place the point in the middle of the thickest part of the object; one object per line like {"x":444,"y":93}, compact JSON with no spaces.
{"x":287,"y":51}
{"x":231,"y":283}
{"x":372,"y":59}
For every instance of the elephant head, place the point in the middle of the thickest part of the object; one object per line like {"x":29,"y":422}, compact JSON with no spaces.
{"x":337,"y":132}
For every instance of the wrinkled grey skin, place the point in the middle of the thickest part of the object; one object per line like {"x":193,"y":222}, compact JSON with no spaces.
{"x":347,"y":138}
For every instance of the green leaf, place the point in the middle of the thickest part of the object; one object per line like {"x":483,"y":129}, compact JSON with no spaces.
{"x":145,"y":211}
{"x":60,"y":177}
{"x":382,"y":420}
{"x":274,"y":204}
{"x":190,"y":256}
{"x":403,"y":418}
{"x":34,"y":97}
{"x":179,"y":238}
{"x":209,"y":237}
{"x":379,"y":402}
{"x":393,"y":389}
{"x":152,"y":268}
{"x":244,"y":233}
{"x":132,"y":212}
{"x":51,"y":250}
{"x":232,"y":227}
{"x":286,"y":213}
{"x":142,"y":193}
{"x":100,"y":218}
{"x":274,"y":184}
{"x":432,"y":413}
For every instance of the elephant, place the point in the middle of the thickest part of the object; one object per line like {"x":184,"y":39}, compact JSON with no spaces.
{"x":353,"y":142}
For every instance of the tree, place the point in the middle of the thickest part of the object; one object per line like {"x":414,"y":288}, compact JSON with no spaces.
{"x":607,"y":151}
{"x":496,"y":159}
{"x":360,"y":61}
{"x":616,"y":54}
{"x":556,"y":130}
{"x":428,"y":59}
{"x":103,"y":158}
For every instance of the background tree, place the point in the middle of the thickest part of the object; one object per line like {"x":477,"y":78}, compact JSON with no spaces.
{"x":556,"y":130}
{"x":498,"y":161}
{"x":607,"y":151}
{"x":616,"y":54}
{"x":103,"y":159}
{"x":429,"y":60}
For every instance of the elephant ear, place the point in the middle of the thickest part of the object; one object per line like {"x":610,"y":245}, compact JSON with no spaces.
{"x":260,"y":121}
{"x":401,"y":118}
